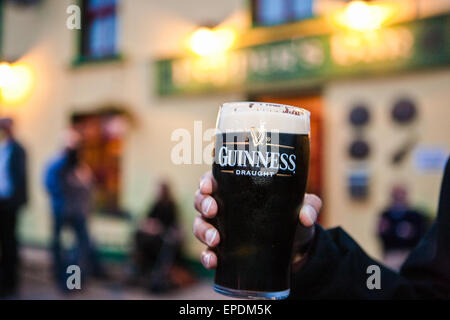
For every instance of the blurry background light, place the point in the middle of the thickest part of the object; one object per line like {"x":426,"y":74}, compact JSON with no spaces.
{"x":362,"y":16}
{"x":16,"y":82}
{"x":5,"y":74}
{"x":207,"y":42}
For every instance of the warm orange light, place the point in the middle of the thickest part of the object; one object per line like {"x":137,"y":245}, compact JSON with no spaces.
{"x":5,"y":74}
{"x":362,"y":16}
{"x":207,"y":42}
{"x":16,"y":82}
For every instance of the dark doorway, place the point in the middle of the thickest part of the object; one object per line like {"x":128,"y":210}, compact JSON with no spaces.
{"x":103,"y":133}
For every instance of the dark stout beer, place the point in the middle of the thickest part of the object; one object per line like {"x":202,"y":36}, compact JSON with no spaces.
{"x":261,"y":168}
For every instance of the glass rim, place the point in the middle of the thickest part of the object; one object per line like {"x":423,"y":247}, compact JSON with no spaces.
{"x":265,"y":105}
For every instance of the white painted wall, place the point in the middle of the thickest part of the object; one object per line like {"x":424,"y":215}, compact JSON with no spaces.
{"x":429,"y":90}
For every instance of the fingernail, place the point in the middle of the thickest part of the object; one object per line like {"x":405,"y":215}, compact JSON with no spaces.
{"x":310,"y":213}
{"x":210,"y":236}
{"x":202,"y":182}
{"x":206,"y":259}
{"x":206,"y":205}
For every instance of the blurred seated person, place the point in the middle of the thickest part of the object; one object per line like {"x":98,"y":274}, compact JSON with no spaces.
{"x":158,"y":244}
{"x":400,"y":228}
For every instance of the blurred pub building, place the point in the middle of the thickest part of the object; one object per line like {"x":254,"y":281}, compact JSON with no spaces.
{"x":137,"y":75}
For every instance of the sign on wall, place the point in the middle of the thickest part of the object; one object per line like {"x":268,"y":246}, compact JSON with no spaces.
{"x":306,"y":61}
{"x":430,"y":159}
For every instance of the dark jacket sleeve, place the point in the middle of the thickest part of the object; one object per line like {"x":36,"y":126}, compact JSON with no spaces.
{"x":53,"y":181}
{"x":428,"y":265}
{"x":336,"y":267}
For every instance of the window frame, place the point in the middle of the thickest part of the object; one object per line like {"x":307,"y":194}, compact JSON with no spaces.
{"x":82,"y":39}
{"x":289,"y":14}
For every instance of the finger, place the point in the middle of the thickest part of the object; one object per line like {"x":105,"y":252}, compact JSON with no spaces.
{"x":314,"y":201}
{"x":209,"y":259}
{"x":205,"y":232}
{"x":206,"y":205}
{"x":208,"y":184}
{"x":198,"y":201}
{"x":308,"y":215}
{"x":310,"y":210}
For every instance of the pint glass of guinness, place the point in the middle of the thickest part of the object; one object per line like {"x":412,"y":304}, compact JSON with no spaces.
{"x":261,"y":160}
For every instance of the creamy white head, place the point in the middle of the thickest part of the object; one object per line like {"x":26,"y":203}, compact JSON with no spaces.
{"x":241,"y":116}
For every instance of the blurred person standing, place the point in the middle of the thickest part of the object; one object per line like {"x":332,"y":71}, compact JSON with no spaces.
{"x":69,"y":182}
{"x":13,"y":195}
{"x":400,"y":228}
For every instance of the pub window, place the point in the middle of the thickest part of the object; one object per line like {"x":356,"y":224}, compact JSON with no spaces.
{"x":275,"y":12}
{"x":99,"y":29}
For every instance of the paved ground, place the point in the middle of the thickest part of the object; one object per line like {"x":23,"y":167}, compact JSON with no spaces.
{"x":38,"y":285}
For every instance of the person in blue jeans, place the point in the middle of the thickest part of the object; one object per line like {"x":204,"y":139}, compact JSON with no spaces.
{"x":68,"y":182}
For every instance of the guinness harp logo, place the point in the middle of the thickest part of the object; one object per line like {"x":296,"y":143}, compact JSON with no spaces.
{"x":258,"y":135}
